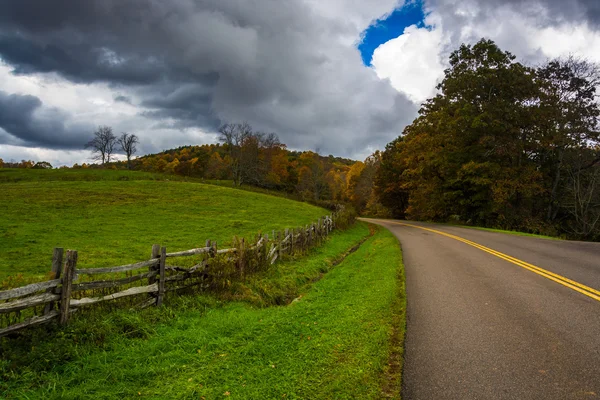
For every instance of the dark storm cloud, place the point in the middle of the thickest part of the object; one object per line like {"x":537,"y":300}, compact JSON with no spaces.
{"x":79,"y":63}
{"x":279,"y":65}
{"x":26,"y":122}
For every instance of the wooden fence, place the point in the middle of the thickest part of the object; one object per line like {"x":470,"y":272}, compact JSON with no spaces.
{"x":145,"y":283}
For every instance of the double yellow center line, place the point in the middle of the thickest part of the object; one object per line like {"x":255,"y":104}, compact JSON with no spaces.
{"x":585,"y":290}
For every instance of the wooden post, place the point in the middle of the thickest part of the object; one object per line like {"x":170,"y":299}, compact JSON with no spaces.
{"x":278,"y":245}
{"x":155,"y":254}
{"x":152,"y":279}
{"x":67,"y":282}
{"x":161,"y":276}
{"x":57,"y":260}
{"x":241,"y":256}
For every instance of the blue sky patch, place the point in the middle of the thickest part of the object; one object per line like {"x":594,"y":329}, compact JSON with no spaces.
{"x":390,"y":28}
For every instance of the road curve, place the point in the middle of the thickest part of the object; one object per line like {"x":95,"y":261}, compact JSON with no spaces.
{"x":482,"y":327}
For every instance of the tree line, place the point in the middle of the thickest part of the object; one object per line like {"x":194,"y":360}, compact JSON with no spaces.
{"x":502,"y":145}
{"x":246,"y":156}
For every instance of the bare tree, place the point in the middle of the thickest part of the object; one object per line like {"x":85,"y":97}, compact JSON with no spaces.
{"x":102,"y":144}
{"x":128,"y":143}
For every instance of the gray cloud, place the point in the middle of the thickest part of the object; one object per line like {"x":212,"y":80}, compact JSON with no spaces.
{"x":123,"y":99}
{"x":554,"y":11}
{"x":283,"y":66}
{"x":510,"y":23}
{"x":25,"y":121}
{"x":545,"y":12}
{"x":279,"y":65}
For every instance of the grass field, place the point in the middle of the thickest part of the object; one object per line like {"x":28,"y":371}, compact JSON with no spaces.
{"x":114,"y":217}
{"x":335,"y":342}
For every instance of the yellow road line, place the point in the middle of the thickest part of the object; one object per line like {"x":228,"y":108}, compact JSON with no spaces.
{"x":586,"y":290}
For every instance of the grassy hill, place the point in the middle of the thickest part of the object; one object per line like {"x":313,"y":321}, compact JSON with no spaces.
{"x":114,"y":217}
{"x":328,"y":324}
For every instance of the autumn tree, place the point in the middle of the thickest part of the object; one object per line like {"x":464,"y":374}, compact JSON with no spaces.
{"x":389,"y":183}
{"x":102,"y":144}
{"x":455,"y":158}
{"x":569,"y":124}
{"x":502,"y":145}
{"x":236,"y":137}
{"x":311,"y":177}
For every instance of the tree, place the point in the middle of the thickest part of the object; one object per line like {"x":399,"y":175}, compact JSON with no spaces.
{"x":42,"y":165}
{"x":128,"y":143}
{"x":389,"y":182}
{"x":235,"y":136}
{"x":312,"y":184}
{"x":467,"y":155}
{"x":501,"y":145}
{"x":1,"y":163}
{"x":26,"y":164}
{"x":102,"y":144}
{"x":582,"y":197}
{"x":569,"y":122}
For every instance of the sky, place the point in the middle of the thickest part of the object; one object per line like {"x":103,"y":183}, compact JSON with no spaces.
{"x":341,"y":76}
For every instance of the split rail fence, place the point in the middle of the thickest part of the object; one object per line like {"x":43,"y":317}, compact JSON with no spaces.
{"x":145,"y":283}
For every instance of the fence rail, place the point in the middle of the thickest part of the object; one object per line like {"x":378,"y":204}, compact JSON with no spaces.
{"x":66,"y":293}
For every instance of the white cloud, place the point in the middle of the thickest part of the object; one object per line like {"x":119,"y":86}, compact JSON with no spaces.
{"x":55,"y":157}
{"x":412,"y":61}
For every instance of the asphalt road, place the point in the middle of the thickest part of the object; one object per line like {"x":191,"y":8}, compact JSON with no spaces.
{"x":481,"y":327}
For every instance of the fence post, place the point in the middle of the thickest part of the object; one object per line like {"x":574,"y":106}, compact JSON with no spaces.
{"x":161,"y":276}
{"x":57,"y":260}
{"x":241,"y":256}
{"x":67,"y":282}
{"x":306,"y":238}
{"x":155,"y":254}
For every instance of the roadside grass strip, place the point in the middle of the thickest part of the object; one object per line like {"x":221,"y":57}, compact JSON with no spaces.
{"x":341,"y":339}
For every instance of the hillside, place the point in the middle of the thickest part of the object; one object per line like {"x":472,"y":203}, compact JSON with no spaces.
{"x":114,"y":217}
